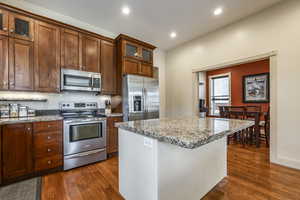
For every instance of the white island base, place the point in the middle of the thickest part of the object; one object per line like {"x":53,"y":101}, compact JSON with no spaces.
{"x":154,"y":170}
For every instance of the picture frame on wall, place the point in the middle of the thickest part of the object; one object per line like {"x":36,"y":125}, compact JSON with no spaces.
{"x":256,"y":88}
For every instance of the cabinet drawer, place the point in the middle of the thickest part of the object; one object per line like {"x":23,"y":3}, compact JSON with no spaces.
{"x":48,"y":162}
{"x":41,"y":139}
{"x":45,"y":151}
{"x":47,"y":126}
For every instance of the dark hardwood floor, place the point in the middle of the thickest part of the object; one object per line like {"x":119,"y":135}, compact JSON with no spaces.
{"x":250,"y":177}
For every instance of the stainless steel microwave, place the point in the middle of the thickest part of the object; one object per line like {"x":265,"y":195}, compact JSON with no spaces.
{"x":76,"y":80}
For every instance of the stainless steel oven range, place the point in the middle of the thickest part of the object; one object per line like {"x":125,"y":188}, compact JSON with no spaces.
{"x":84,"y":134}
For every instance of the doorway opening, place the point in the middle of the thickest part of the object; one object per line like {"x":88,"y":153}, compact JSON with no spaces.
{"x":244,"y":85}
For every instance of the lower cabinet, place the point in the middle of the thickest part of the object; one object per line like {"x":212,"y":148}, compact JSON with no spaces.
{"x":47,"y":139}
{"x":112,"y":134}
{"x":17,"y":150}
{"x":30,"y":148}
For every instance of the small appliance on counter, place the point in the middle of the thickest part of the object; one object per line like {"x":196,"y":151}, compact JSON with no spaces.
{"x":13,"y":110}
{"x":4,"y":111}
{"x":107,"y":107}
{"x":23,"y":111}
{"x":31,"y":113}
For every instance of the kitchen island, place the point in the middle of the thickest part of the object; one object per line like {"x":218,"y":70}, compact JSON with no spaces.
{"x":173,"y":159}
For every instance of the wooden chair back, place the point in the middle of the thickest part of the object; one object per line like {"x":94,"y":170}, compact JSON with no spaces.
{"x":236,"y":112}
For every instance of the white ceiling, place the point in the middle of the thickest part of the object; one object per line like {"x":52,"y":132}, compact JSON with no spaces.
{"x":153,"y":20}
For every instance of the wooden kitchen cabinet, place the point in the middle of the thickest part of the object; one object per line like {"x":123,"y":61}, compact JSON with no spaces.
{"x":131,"y":66}
{"x":47,"y":57}
{"x":21,"y":27}
{"x":3,"y":22}
{"x":17,"y":150}
{"x":108,"y":68}
{"x":112,"y":134}
{"x":20,"y":65}
{"x":134,"y":57}
{"x":30,"y":149}
{"x":146,"y":69}
{"x":3,"y":62}
{"x":48,"y":145}
{"x":90,"y":53}
{"x":70,"y":49}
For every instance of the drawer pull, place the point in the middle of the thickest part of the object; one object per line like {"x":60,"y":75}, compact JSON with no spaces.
{"x":49,"y":126}
{"x":49,"y":162}
{"x":49,"y":150}
{"x":49,"y":137}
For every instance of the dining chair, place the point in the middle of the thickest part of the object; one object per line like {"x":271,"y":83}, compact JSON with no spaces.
{"x":253,"y":113}
{"x":236,"y":112}
{"x":265,"y":125}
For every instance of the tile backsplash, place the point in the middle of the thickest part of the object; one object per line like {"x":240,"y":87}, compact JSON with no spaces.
{"x":53,"y":100}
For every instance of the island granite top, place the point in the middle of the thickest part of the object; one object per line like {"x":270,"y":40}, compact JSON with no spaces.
{"x":189,"y":133}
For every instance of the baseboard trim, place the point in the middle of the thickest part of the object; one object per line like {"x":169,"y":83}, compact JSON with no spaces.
{"x":295,"y":164}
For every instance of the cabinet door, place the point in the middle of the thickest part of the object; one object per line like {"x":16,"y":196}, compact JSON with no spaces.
{"x":147,"y":55}
{"x":3,"y":22}
{"x":17,"y":150}
{"x":108,"y":68}
{"x":20,"y":64}
{"x":132,"y":50}
{"x":90,"y":53}
{"x":69,"y":49}
{"x":131,"y":66}
{"x":21,"y":27}
{"x":3,"y":62}
{"x":113,"y":140}
{"x":47,"y":58}
{"x":146,"y":70}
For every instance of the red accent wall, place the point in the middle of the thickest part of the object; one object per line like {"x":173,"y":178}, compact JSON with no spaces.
{"x":237,"y":73}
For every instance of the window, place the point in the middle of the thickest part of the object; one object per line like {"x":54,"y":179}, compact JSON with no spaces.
{"x":219,"y":92}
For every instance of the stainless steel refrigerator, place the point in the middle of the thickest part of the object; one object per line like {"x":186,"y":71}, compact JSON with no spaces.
{"x":140,"y":98}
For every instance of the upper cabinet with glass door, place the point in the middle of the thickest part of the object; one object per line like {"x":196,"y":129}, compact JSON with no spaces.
{"x":3,"y":22}
{"x":137,"y":51}
{"x":17,"y":26}
{"x":21,"y":27}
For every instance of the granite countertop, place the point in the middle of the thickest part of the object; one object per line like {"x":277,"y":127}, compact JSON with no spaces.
{"x":189,"y":133}
{"x":114,"y":115}
{"x":4,"y":121}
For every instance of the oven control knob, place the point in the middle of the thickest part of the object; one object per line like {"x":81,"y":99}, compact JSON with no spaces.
{"x":68,"y":105}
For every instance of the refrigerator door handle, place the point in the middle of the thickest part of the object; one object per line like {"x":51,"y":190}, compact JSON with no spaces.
{"x":144,"y":100}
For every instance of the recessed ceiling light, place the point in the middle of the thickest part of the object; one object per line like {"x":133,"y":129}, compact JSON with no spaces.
{"x":173,"y":35}
{"x":125,"y":10}
{"x":218,"y":11}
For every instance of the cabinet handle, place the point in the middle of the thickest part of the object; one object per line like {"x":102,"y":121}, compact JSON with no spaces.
{"x":12,"y":30}
{"x":49,"y":150}
{"x":49,"y":137}
{"x":49,"y":126}
{"x":28,"y":129}
{"x":4,"y":29}
{"x":49,"y":162}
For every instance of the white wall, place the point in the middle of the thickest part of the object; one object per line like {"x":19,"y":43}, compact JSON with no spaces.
{"x":275,"y":29}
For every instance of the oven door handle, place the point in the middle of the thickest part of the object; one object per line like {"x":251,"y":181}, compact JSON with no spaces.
{"x":85,"y":153}
{"x":85,"y":122}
